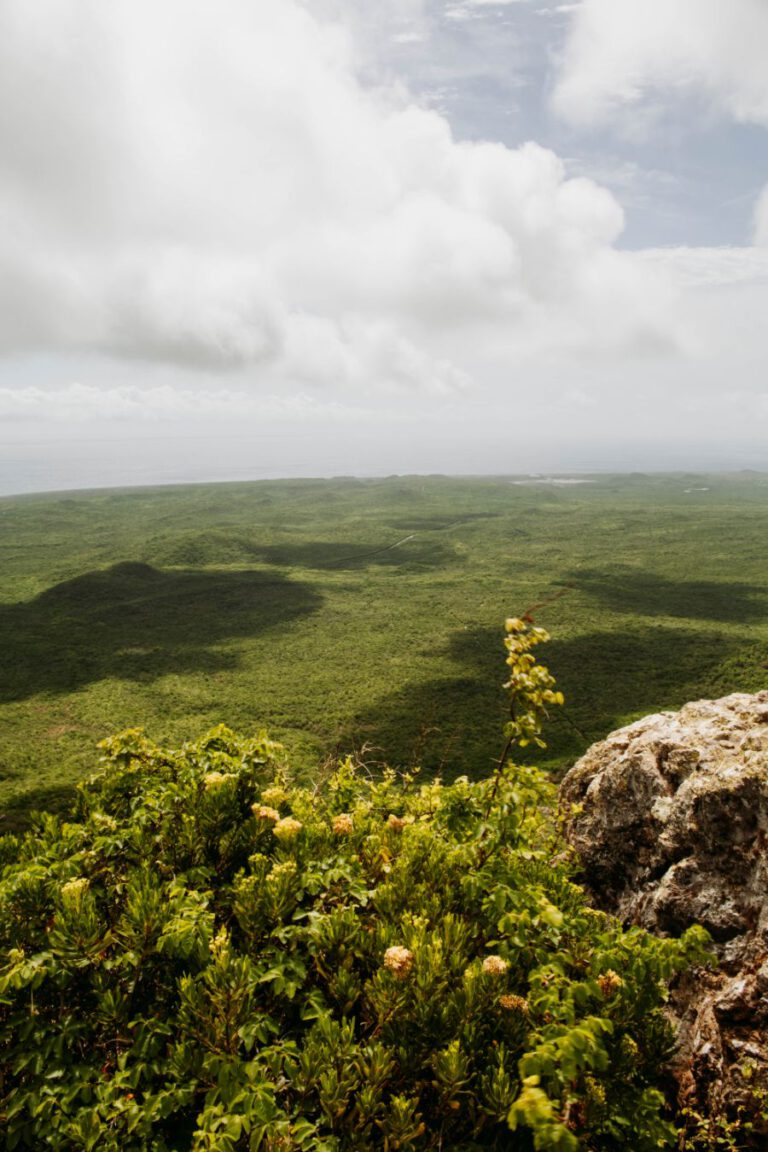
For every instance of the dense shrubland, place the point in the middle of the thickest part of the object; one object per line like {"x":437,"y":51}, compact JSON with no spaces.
{"x":272,"y":603}
{"x":209,"y":956}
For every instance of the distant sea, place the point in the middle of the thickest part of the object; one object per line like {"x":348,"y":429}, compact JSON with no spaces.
{"x":54,"y":467}
{"x":37,"y":475}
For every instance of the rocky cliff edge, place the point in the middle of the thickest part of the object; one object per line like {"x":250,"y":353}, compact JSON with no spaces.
{"x":669,"y":817}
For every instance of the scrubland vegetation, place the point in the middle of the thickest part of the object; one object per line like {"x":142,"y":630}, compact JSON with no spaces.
{"x":228,"y":944}
{"x":363,"y":614}
{"x":210,"y":956}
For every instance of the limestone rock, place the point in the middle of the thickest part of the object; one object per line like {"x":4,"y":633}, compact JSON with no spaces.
{"x":669,"y":817}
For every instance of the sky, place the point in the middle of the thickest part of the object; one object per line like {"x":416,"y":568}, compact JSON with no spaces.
{"x":253,"y":238}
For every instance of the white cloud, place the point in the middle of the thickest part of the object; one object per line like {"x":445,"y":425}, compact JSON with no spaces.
{"x":721,"y":297}
{"x":761,"y":219}
{"x":623,"y":58}
{"x":468,"y":5}
{"x":460,"y":10}
{"x":213,"y":223}
{"x":83,"y":403}
{"x":213,"y":188}
{"x":703,"y":268}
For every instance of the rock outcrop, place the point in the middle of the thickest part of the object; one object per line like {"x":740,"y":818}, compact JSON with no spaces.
{"x":669,"y":817}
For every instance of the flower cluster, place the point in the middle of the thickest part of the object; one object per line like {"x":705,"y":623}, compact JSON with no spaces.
{"x":288,"y":828}
{"x":264,"y":812}
{"x":214,"y":780}
{"x":398,"y":961}
{"x":494,"y":966}
{"x":274,"y":796}
{"x":511,"y":1003}
{"x":73,"y":890}
{"x":609,"y":983}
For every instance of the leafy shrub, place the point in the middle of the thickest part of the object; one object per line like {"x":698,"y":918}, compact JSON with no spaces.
{"x":209,"y":956}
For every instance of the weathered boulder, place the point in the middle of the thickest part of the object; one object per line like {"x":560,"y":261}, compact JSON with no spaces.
{"x":669,"y":817}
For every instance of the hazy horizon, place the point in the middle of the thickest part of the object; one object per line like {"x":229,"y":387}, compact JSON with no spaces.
{"x":49,"y":474}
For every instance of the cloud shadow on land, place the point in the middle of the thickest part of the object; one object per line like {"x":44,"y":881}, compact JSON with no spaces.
{"x":454,"y":725}
{"x":648,"y":594}
{"x":16,"y":810}
{"x":438,"y":522}
{"x":197,"y":549}
{"x":407,"y":554}
{"x":134,"y":622}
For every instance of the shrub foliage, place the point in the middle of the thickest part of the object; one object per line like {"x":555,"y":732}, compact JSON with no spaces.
{"x":209,"y":956}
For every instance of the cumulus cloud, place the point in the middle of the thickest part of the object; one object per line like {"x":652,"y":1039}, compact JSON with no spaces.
{"x":220,"y":219}
{"x":212,"y":187}
{"x":623,"y":57}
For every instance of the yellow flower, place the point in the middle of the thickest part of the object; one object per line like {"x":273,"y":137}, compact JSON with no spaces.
{"x":262,"y":812}
{"x":72,"y":892}
{"x":398,"y":961}
{"x":514,"y":1004}
{"x":213,"y":780}
{"x":342,"y":824}
{"x":595,"y":1090}
{"x":609,"y":983}
{"x":274,"y":796}
{"x":494,"y":966}
{"x":287,"y":828}
{"x":279,"y":872}
{"x":219,"y":943}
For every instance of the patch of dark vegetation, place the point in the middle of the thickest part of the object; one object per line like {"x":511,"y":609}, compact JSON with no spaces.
{"x":608,"y":678}
{"x":437,"y":522}
{"x":651,"y":594}
{"x":204,"y":549}
{"x":216,"y":548}
{"x":18,"y":811}
{"x":441,"y":726}
{"x":132,"y":621}
{"x":333,"y":554}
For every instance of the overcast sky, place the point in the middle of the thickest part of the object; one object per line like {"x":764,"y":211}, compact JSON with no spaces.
{"x":247,"y":238}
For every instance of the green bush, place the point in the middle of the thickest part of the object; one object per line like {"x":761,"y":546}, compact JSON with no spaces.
{"x":208,"y":956}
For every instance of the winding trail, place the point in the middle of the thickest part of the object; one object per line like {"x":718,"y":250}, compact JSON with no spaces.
{"x":365,"y":555}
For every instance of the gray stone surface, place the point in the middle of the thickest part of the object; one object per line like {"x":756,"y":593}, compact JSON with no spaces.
{"x":669,"y":817}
